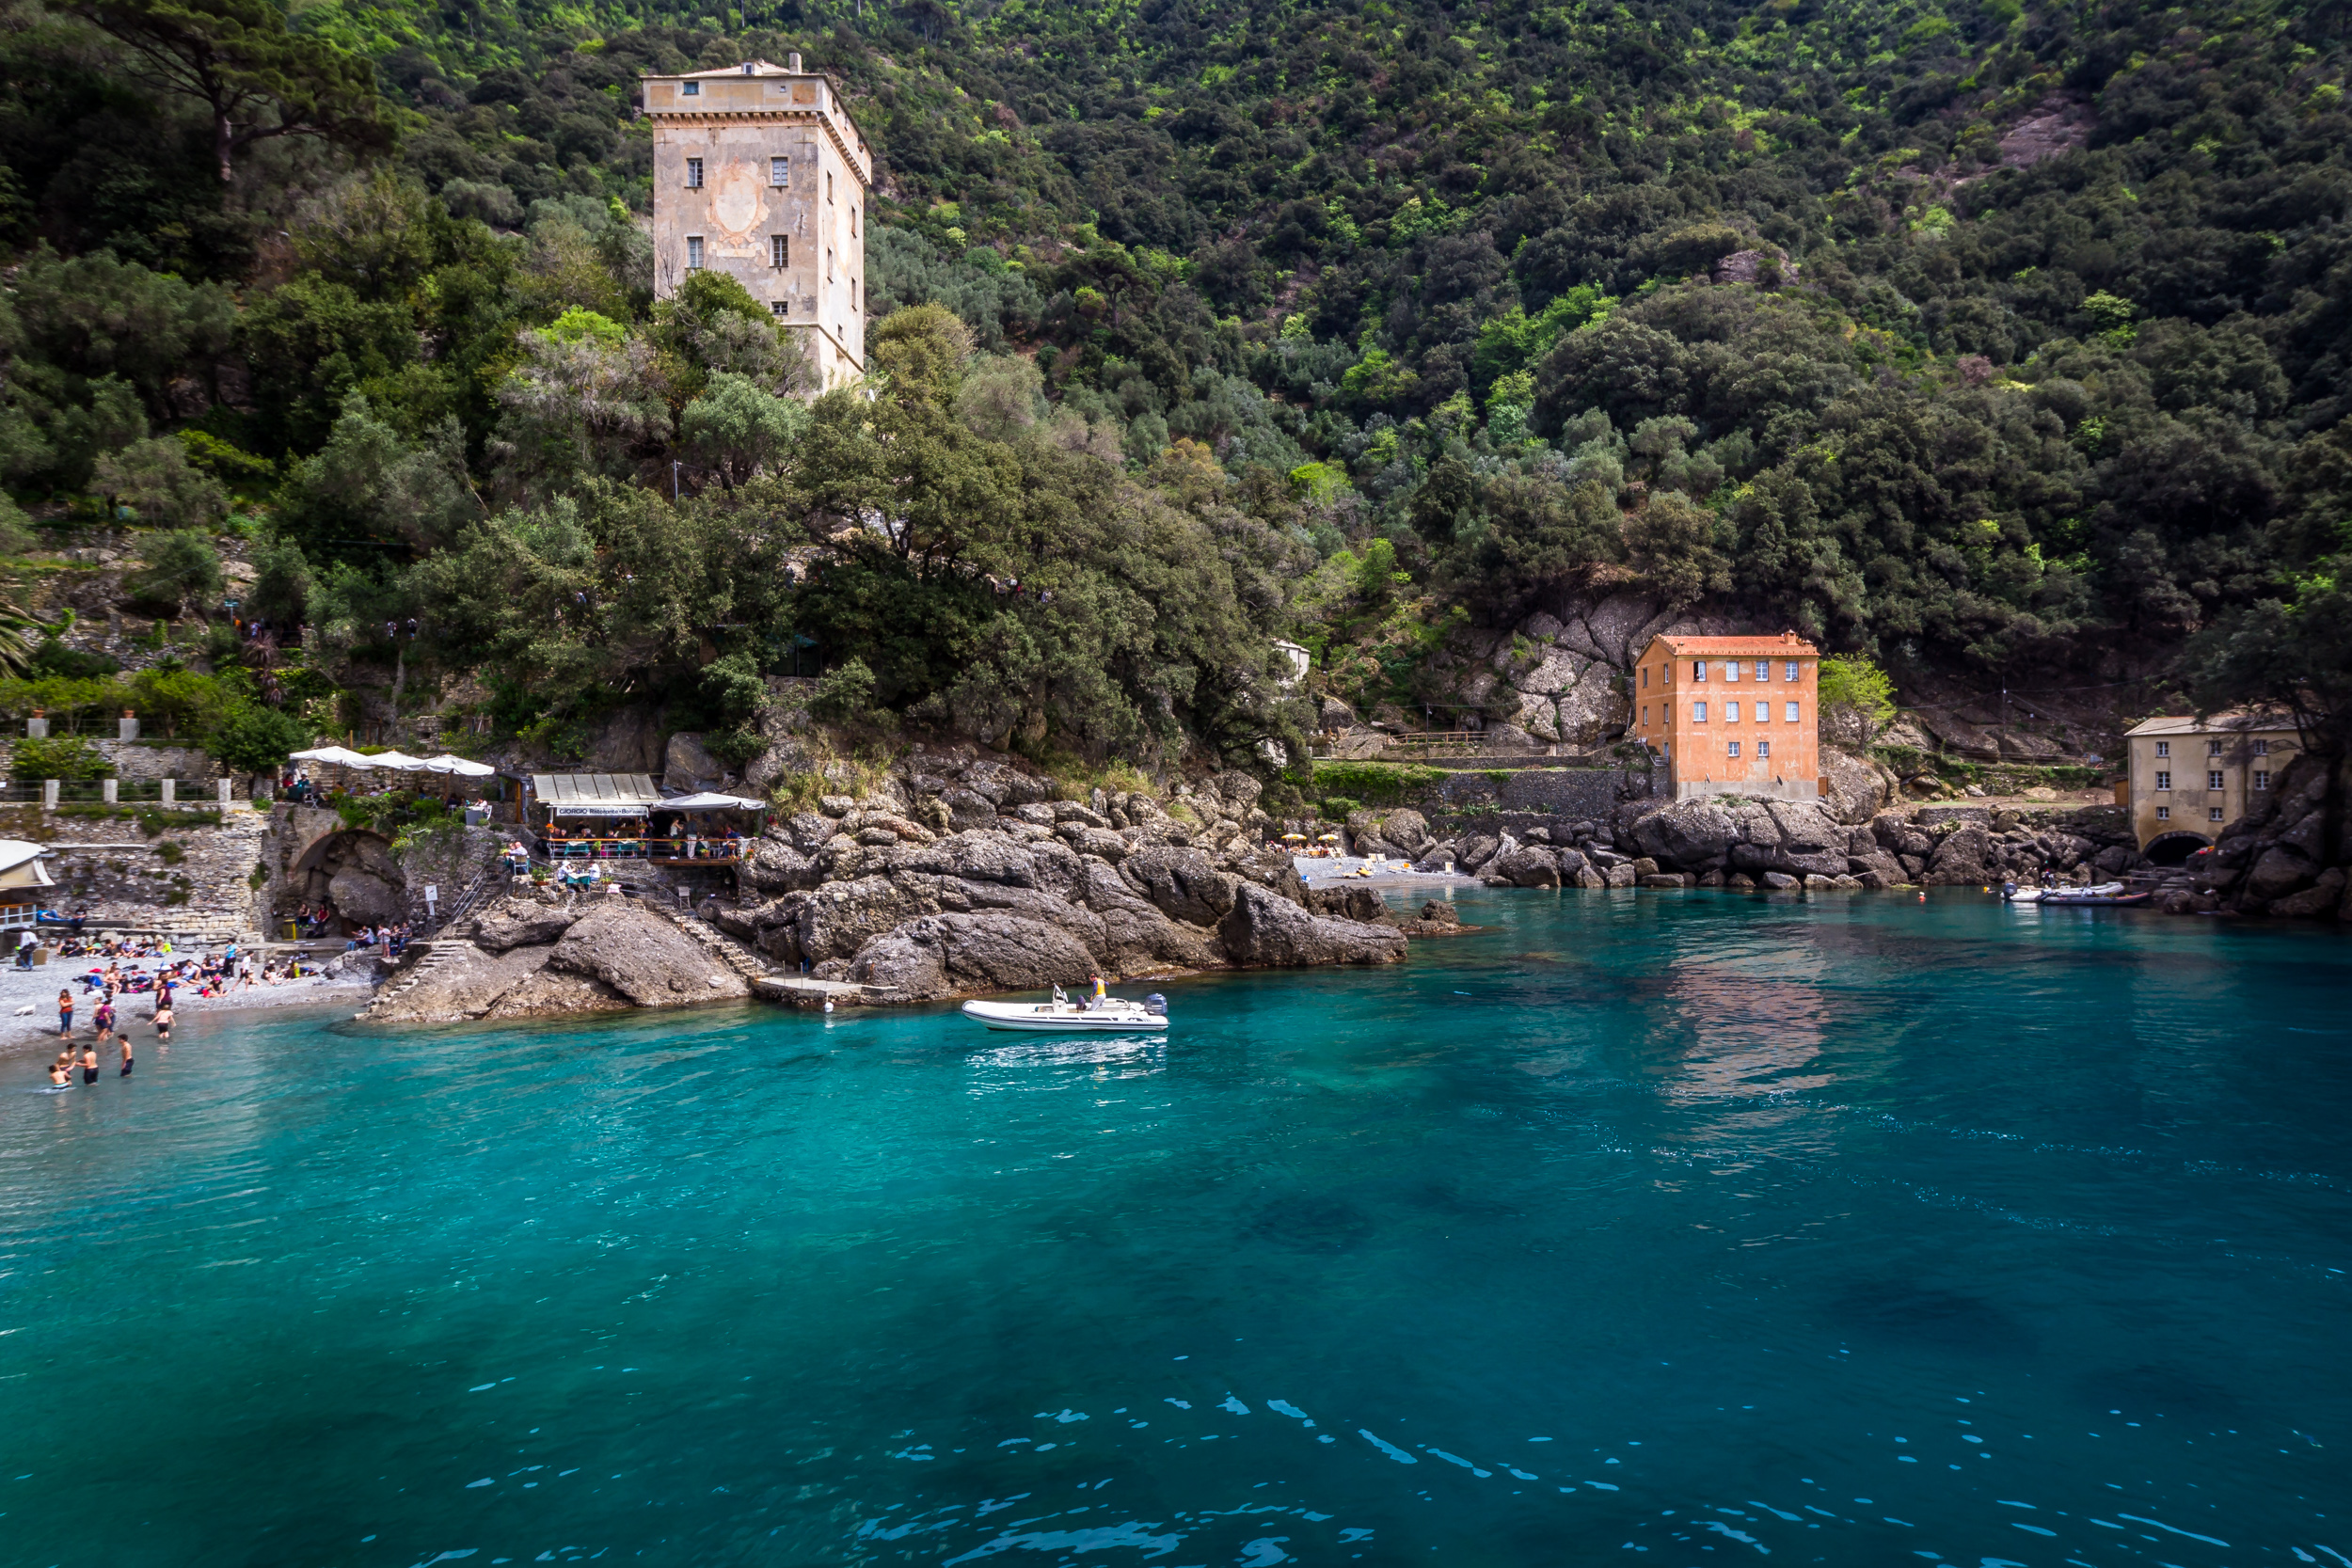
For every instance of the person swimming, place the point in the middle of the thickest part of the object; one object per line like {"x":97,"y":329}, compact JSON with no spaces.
{"x":61,"y":1070}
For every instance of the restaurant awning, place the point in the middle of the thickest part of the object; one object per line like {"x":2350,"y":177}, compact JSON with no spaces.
{"x":708,"y":802}
{"x":595,"y":794}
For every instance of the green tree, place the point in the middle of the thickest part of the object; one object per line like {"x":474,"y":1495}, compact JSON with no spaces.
{"x":1857,"y":699}
{"x":182,"y":569}
{"x":156,"y":477}
{"x":256,"y":77}
{"x":737,"y":429}
{"x":256,"y":740}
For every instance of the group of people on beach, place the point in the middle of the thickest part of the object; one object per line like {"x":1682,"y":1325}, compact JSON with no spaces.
{"x":110,"y":1028}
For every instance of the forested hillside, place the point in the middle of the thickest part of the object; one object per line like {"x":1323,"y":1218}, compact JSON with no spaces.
{"x":1993,"y":341}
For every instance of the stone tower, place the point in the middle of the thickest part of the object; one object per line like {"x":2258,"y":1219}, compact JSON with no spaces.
{"x":759,"y":172}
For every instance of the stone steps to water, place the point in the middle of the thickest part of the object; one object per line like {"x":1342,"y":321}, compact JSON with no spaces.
{"x":724,"y":948}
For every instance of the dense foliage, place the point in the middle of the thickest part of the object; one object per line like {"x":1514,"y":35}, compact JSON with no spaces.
{"x":1338,"y":322}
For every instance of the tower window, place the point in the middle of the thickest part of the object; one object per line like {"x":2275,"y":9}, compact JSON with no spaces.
{"x":780,"y":306}
{"x":779,"y":250}
{"x":694,"y":174}
{"x":2164,"y":748}
{"x":1763,"y":749}
{"x":779,"y":172}
{"x":1792,"y":713}
{"x":2164,"y":814}
{"x":689,"y":89}
{"x":1735,"y":749}
{"x":1698,"y":670}
{"x":828,"y":184}
{"x":2261,"y":748}
{"x":1698,"y":713}
{"x":694,"y":253}
{"x":1789,"y":671}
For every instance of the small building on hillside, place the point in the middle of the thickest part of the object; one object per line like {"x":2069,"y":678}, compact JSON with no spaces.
{"x":759,"y":172}
{"x":1732,"y":715}
{"x":2190,"y":775}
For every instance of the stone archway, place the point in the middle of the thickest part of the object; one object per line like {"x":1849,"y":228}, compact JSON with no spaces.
{"x":355,"y":871}
{"x":2174,"y":848}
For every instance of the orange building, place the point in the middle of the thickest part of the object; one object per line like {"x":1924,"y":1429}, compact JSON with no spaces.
{"x":1732,"y":715}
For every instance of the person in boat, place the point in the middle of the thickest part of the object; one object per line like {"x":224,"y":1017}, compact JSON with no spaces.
{"x":1094,"y":1004}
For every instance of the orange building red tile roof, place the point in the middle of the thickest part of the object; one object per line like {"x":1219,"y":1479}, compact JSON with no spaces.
{"x":1786,"y":643}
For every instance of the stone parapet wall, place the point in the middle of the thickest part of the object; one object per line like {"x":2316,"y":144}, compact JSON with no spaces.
{"x":149,"y":760}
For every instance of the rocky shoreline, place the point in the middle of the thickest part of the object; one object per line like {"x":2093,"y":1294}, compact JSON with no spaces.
{"x":949,"y":879}
{"x":957,"y":876}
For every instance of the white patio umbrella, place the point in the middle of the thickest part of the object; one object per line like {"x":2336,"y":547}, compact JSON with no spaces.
{"x":400,"y":760}
{"x":336,"y":754}
{"x":449,"y":762}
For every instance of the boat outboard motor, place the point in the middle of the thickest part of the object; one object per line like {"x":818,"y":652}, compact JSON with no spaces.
{"x":1156,"y":1005}
{"x":2008,"y":891}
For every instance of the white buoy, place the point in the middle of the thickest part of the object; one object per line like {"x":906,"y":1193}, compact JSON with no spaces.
{"x":827,"y":1006}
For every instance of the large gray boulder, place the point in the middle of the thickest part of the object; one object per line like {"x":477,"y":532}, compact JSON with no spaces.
{"x":1263,"y":930}
{"x":776,"y":866}
{"x":840,"y":917}
{"x":1528,"y":866}
{"x":1693,"y":836}
{"x":523,"y":923}
{"x":944,"y":954}
{"x":1858,"y":786}
{"x":363,"y":894}
{"x":1136,"y":935}
{"x":687,"y":764}
{"x":2277,"y":873}
{"x":643,"y":958}
{"x":1181,"y":883}
{"x":1964,"y":856}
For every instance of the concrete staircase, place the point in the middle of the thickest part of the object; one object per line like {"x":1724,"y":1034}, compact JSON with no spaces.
{"x":719,"y":945}
{"x":424,"y":957}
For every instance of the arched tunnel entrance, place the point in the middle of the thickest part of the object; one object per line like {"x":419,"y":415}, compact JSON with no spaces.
{"x":353,"y":873}
{"x":2174,"y":848}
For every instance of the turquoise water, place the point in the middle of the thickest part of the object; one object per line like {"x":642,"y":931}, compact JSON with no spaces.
{"x":1677,"y":1230}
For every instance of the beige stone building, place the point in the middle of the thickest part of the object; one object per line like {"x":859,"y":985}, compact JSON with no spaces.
{"x":2189,"y":776}
{"x":759,"y":172}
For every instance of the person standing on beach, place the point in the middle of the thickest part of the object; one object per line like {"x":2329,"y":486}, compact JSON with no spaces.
{"x":90,"y":1064}
{"x":64,"y":1014}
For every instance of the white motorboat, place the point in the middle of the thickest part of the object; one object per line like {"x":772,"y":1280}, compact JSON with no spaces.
{"x":2103,"y":893}
{"x":1099,"y":1014}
